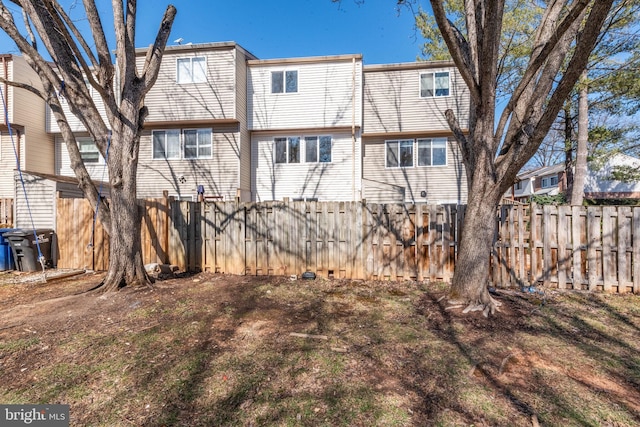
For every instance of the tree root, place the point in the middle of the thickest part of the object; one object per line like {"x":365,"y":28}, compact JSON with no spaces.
{"x":489,"y":307}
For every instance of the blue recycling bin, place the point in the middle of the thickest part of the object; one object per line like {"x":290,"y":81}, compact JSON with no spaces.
{"x":6,"y":254}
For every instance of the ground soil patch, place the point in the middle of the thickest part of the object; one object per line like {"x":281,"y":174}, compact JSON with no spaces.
{"x":220,"y":350}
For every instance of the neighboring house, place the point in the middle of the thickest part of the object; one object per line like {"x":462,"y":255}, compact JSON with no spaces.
{"x":600,"y":185}
{"x":305,"y":116}
{"x":409,"y":153}
{"x":29,"y":141}
{"x":546,"y":180}
{"x":196,"y":132}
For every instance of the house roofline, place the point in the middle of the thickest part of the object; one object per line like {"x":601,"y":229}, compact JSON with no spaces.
{"x":419,"y":65}
{"x":305,"y":59}
{"x":194,"y":47}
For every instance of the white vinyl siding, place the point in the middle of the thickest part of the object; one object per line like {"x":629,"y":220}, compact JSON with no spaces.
{"x":392,"y":102}
{"x":381,"y":184}
{"x":169,"y":100}
{"x":42,"y":195}
{"x":324,"y":99}
{"x":325,"y":181}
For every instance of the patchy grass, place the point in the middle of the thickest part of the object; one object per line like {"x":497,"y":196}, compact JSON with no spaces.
{"x":211,"y":350}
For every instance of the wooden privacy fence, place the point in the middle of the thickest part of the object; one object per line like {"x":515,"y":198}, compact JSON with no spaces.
{"x":565,"y":247}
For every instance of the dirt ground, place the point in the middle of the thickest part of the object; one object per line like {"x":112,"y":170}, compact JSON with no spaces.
{"x":211,"y":349}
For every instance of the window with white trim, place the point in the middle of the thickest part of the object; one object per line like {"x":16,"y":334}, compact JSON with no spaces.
{"x":191,"y":70}
{"x":284,"y":81}
{"x":197,"y":143}
{"x":551,"y":181}
{"x":399,"y":153}
{"x":518,"y":185}
{"x":287,"y":150}
{"x":88,"y":151}
{"x":317,"y":149}
{"x":166,"y":144}
{"x":434,"y":84}
{"x":182,"y":144}
{"x":432,"y":152}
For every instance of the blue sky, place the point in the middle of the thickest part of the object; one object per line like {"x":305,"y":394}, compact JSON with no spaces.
{"x":277,"y":28}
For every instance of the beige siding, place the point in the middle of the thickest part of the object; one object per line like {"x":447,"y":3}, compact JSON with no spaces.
{"x":392,"y":101}
{"x":213,"y":99}
{"x":219,"y":175}
{"x":324,"y":99}
{"x":63,"y":163}
{"x":324,"y":181}
{"x":443,"y":184}
{"x":74,"y":122}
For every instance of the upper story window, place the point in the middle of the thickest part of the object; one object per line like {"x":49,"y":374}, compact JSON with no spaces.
{"x":287,"y":150}
{"x":317,"y":149}
{"x":518,"y":185}
{"x":192,"y":70}
{"x":550,"y":181}
{"x":284,"y":81}
{"x":399,"y":154}
{"x":188,"y":144}
{"x":432,"y":152}
{"x":434,"y":84}
{"x":88,"y":151}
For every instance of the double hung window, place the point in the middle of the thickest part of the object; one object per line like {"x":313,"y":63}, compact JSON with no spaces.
{"x":284,"y":81}
{"x":434,"y":84}
{"x":192,"y":70}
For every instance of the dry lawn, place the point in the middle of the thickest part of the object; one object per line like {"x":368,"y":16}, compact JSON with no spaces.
{"x":218,"y":350}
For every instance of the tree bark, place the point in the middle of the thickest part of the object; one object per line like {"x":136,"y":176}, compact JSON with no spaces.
{"x":580,"y":175}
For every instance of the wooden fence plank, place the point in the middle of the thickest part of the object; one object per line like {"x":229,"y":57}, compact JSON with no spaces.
{"x":359,"y":240}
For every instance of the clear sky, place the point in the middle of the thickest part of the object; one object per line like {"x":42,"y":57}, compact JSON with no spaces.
{"x":378,"y":29}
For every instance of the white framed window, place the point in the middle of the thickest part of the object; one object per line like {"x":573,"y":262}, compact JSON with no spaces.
{"x":166,"y":144}
{"x":287,"y":150}
{"x":197,"y":143}
{"x":317,"y":149}
{"x":89,"y":151}
{"x":284,"y":81}
{"x":191,"y":70}
{"x":550,"y":181}
{"x":434,"y":84}
{"x":399,"y":153}
{"x":518,"y":185}
{"x":432,"y":152}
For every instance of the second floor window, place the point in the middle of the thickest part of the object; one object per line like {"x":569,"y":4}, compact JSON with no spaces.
{"x":434,"y":84}
{"x":432,"y":152}
{"x":188,"y":144}
{"x":317,"y":149}
{"x":287,"y":150}
{"x":192,"y":70}
{"x":551,"y":181}
{"x":197,"y":143}
{"x":88,"y":151}
{"x":284,"y":81}
{"x":399,"y":153}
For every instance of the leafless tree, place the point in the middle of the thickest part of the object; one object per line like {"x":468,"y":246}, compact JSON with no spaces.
{"x":74,"y":61}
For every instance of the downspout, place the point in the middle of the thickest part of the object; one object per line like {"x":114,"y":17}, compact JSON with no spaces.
{"x":353,"y":130}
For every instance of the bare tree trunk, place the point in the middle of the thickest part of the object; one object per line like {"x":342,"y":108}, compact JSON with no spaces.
{"x":580,"y":175}
{"x":568,"y":149}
